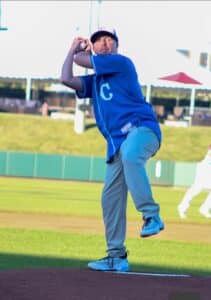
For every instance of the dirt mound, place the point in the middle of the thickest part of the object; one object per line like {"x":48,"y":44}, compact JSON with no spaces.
{"x":80,"y":284}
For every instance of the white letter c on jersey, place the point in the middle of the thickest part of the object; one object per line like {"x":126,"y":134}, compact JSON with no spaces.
{"x":108,"y":96}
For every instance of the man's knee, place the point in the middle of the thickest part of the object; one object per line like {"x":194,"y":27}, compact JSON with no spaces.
{"x":131,"y":158}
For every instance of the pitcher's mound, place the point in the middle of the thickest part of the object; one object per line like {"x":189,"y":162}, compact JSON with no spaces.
{"x":80,"y":284}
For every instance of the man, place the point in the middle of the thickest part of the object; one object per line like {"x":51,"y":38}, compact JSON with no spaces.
{"x":202,"y":182}
{"x":131,"y":130}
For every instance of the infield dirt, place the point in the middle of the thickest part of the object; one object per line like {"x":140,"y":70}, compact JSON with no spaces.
{"x":174,"y":231}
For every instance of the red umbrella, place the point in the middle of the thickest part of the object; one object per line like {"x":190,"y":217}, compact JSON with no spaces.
{"x":184,"y":78}
{"x":181,"y":77}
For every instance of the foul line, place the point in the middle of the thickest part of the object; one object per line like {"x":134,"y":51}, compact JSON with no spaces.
{"x":154,"y":274}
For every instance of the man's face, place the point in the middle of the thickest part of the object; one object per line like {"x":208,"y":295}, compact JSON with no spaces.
{"x":105,"y":45}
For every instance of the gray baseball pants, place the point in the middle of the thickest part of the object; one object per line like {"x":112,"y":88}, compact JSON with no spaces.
{"x":127,"y":173}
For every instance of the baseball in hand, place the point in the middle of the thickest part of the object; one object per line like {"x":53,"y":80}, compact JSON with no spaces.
{"x":82,"y":45}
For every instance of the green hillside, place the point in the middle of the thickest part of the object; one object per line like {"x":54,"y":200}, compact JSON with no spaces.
{"x":45,"y":135}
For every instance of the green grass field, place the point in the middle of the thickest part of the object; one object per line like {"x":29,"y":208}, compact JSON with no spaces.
{"x":47,"y":223}
{"x":26,"y":243}
{"x":46,"y":135}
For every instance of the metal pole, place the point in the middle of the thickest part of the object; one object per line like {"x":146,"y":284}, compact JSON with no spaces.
{"x":1,"y":28}
{"x":90,"y":17}
{"x":28,"y":88}
{"x":148,"y":93}
{"x":99,"y":11}
{"x":79,"y":118}
{"x":0,"y":14}
{"x":192,"y":101}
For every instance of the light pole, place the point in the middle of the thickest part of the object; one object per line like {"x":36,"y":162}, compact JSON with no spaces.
{"x":81,"y":104}
{"x":1,"y":28}
{"x":79,"y":117}
{"x":94,"y":11}
{"x":98,"y":13}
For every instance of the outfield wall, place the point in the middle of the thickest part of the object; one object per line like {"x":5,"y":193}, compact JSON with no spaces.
{"x":88,"y":168}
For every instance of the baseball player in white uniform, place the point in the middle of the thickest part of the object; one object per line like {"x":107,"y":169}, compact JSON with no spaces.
{"x":202,"y":182}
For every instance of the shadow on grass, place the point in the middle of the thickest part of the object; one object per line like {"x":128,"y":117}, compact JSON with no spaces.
{"x":90,"y":126}
{"x":18,"y":261}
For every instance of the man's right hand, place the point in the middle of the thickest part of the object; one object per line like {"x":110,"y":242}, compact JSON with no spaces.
{"x":80,"y":44}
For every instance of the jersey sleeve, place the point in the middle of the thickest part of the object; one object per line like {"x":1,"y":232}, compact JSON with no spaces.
{"x":87,"y":87}
{"x":109,"y":63}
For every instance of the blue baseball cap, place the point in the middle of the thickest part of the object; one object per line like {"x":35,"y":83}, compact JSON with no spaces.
{"x":104,"y":31}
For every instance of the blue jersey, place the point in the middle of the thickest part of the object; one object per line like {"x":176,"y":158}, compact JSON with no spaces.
{"x":119,"y":104}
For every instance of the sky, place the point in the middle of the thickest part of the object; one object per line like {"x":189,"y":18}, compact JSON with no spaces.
{"x":40,"y":32}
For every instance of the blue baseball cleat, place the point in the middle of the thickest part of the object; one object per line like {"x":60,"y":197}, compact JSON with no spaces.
{"x":151,"y":226}
{"x":109,"y":263}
